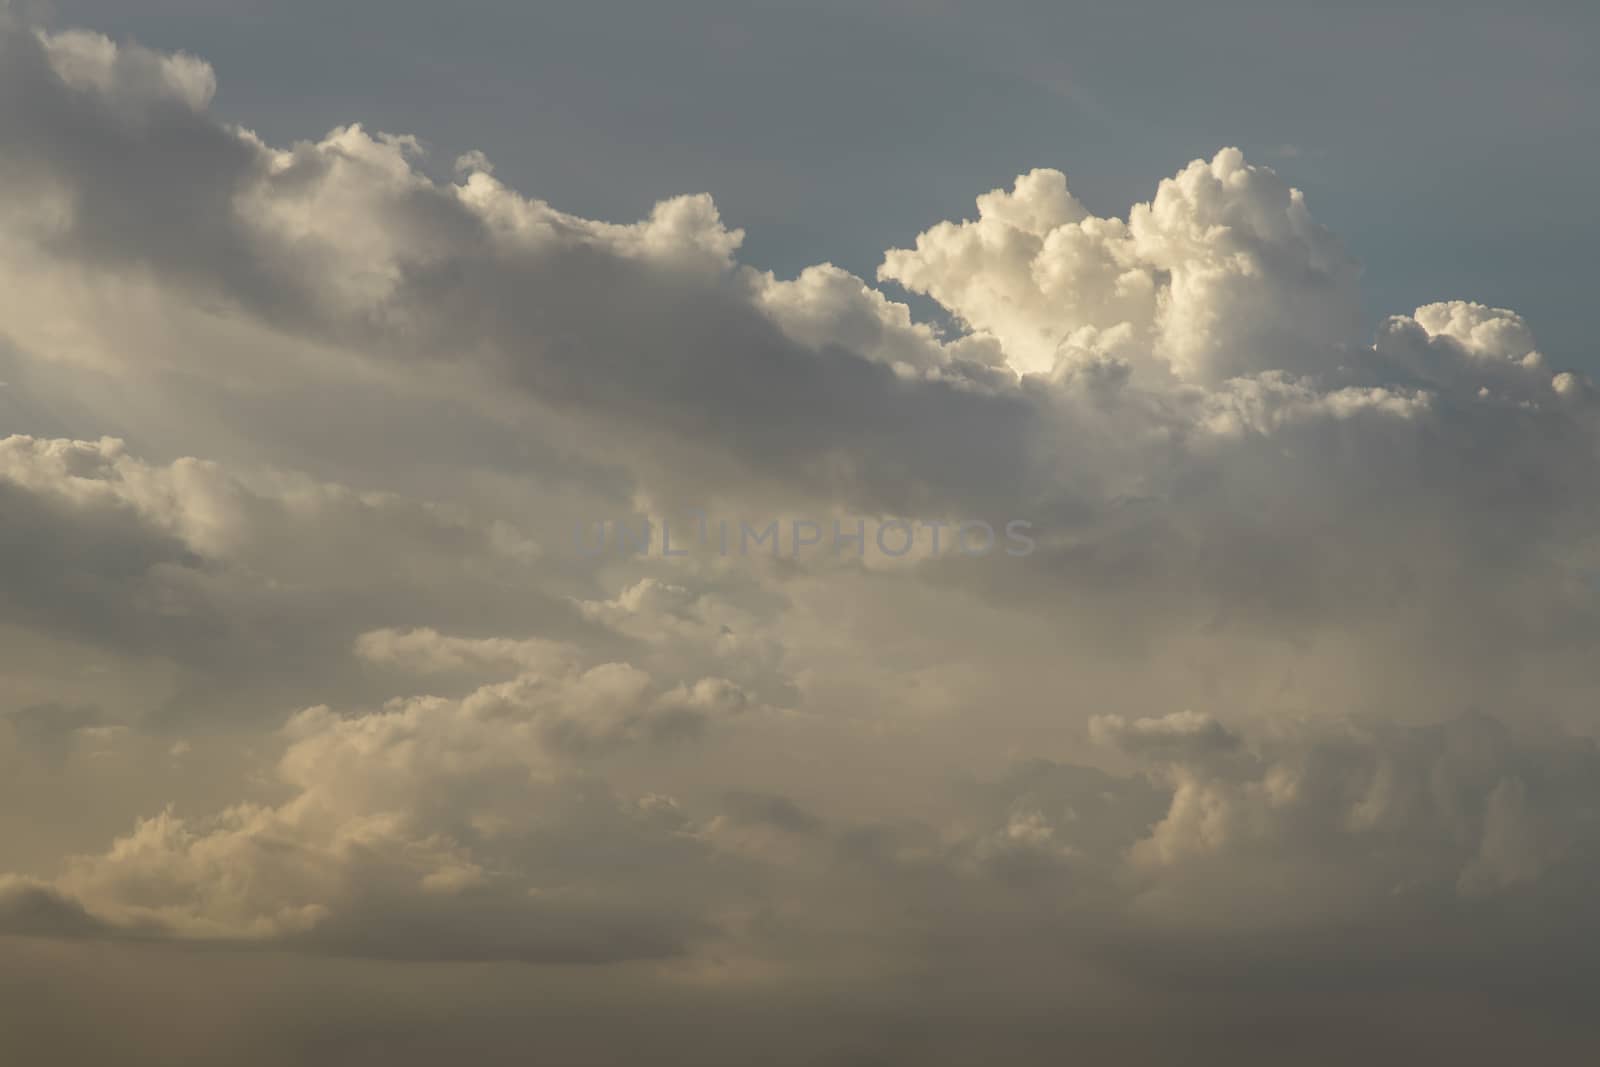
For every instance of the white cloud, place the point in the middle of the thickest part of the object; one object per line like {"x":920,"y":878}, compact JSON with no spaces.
{"x":1223,"y":271}
{"x":92,"y":62}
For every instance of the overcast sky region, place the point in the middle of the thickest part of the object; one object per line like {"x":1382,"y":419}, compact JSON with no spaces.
{"x":897,"y":533}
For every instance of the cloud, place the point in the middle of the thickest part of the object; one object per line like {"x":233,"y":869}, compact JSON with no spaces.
{"x":687,"y":630}
{"x":1296,"y":679}
{"x":431,"y":828}
{"x":1179,"y":733}
{"x":1223,"y":267}
{"x":428,"y":650}
{"x":208,"y":568}
{"x":41,"y":911}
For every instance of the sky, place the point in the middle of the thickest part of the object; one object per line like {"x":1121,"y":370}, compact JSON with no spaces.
{"x":896,"y":534}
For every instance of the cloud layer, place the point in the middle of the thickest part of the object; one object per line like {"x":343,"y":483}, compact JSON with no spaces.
{"x":303,"y":661}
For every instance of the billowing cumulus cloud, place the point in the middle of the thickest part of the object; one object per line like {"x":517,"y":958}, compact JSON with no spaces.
{"x":1222,"y":268}
{"x":309,"y":658}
